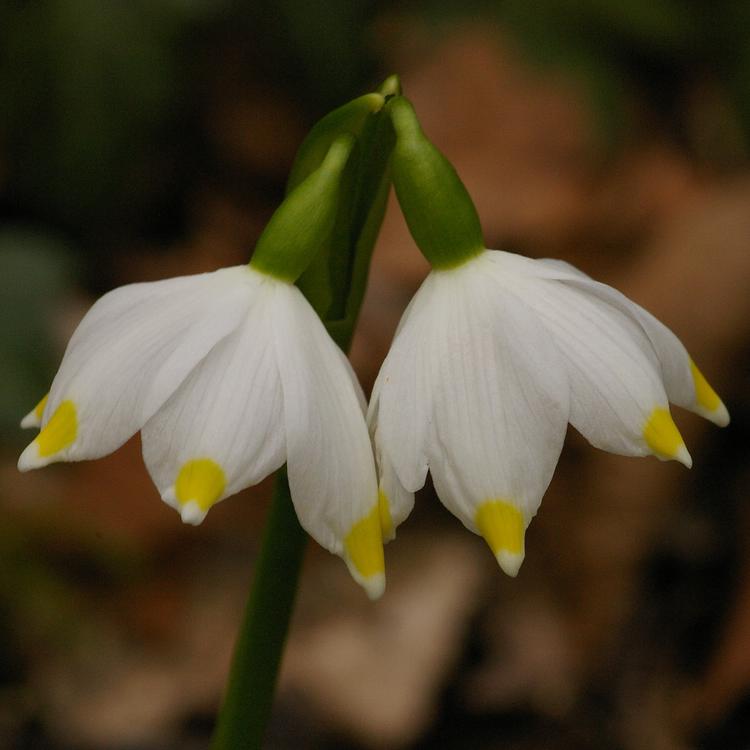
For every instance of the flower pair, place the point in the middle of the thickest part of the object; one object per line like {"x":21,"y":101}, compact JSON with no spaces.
{"x":229,"y":375}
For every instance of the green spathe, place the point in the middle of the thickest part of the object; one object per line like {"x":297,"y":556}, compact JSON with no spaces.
{"x":440,"y":214}
{"x":334,"y":282}
{"x":348,"y":118}
{"x":302,"y":223}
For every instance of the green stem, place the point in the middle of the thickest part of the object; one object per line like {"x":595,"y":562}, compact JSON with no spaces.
{"x":249,"y":695}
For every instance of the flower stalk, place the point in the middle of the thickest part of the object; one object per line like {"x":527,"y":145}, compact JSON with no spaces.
{"x":249,"y":693}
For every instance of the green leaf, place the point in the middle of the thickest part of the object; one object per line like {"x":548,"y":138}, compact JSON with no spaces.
{"x":90,"y":88}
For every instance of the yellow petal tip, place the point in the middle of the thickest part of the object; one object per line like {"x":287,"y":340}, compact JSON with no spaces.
{"x":664,"y":439}
{"x":199,"y":485}
{"x":59,"y":433}
{"x":503,"y":527}
{"x":707,"y":401}
{"x":387,"y":528}
{"x":363,"y":548}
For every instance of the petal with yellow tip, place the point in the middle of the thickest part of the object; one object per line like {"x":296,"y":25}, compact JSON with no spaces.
{"x":384,"y":513}
{"x":473,"y":387}
{"x":135,"y":346}
{"x":199,"y":485}
{"x":684,"y":384}
{"x":503,"y":527}
{"x":664,"y":439}
{"x":60,"y":432}
{"x":229,"y":409}
{"x":363,"y":547}
{"x":329,"y":455}
{"x":708,"y":403}
{"x":613,"y":369}
{"x":394,"y":500}
{"x":499,"y":392}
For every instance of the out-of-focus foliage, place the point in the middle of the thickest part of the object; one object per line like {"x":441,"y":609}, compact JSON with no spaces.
{"x":658,"y":51}
{"x":101,"y":128}
{"x":324,"y":51}
{"x":91,"y":87}
{"x":35,"y":273}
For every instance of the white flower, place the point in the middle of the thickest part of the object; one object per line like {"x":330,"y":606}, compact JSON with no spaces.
{"x":228,"y":375}
{"x":491,"y":361}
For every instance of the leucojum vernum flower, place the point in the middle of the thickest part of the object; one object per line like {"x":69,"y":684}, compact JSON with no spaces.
{"x":495,"y":355}
{"x":229,"y":375}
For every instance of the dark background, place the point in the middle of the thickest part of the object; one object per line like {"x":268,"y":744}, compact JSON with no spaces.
{"x":142,"y":140}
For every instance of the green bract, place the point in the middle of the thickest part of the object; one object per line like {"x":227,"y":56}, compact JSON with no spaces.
{"x":440,"y":214}
{"x":348,"y":118}
{"x":334,"y":283}
{"x":302,"y":223}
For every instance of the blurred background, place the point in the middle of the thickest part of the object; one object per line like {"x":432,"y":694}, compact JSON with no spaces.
{"x":146,"y":139}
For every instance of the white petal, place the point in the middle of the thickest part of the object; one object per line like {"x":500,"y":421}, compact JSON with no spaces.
{"x":684,"y":384}
{"x":491,"y":404}
{"x":500,"y":410}
{"x":395,"y":501}
{"x":401,"y":401}
{"x":329,"y":457}
{"x":617,"y":399}
{"x":31,"y":420}
{"x":130,"y":352}
{"x":222,"y":430}
{"x":347,"y":365}
{"x":35,"y":416}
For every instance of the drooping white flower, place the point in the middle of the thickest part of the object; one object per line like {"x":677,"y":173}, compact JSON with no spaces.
{"x":492,"y":359}
{"x":497,"y":353}
{"x":228,"y":375}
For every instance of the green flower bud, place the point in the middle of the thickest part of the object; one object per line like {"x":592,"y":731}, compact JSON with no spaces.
{"x":348,"y":118}
{"x":440,"y":214}
{"x":302,"y":224}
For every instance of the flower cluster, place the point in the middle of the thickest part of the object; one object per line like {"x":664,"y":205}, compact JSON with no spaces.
{"x":231,"y":374}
